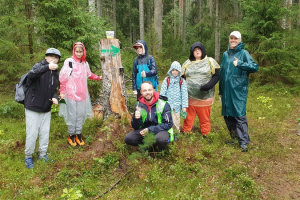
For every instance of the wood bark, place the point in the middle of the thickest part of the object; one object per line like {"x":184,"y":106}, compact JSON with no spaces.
{"x":112,"y":97}
{"x":91,"y":6}
{"x":141,"y":16}
{"x":28,"y":9}
{"x":99,"y":6}
{"x":115,"y":17}
{"x":217,"y":32}
{"x":158,"y":15}
{"x":184,"y":25}
{"x":175,"y":20}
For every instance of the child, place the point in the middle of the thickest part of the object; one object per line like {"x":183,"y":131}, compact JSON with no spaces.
{"x":144,"y":68}
{"x":42,"y":80}
{"x":74,"y":89}
{"x":174,"y":87}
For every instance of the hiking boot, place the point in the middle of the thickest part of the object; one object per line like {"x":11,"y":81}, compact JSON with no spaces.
{"x":79,"y":140}
{"x":244,"y":148}
{"x":45,"y":158}
{"x":29,"y":163}
{"x":71,"y":141}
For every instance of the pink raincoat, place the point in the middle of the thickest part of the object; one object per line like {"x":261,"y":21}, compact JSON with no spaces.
{"x":73,"y":83}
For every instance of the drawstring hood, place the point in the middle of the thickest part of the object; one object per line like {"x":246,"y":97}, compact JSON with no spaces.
{"x":200,"y":45}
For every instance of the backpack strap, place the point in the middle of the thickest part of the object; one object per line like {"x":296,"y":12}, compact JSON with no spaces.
{"x":168,"y":81}
{"x":71,"y":66}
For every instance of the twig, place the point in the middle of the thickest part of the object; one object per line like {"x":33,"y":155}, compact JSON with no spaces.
{"x":112,"y":187}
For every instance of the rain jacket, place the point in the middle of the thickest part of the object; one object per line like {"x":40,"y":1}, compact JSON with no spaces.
{"x":151,"y":121}
{"x":145,"y":63}
{"x":234,"y":81}
{"x":177,"y":95}
{"x":199,"y":74}
{"x":43,"y":84}
{"x":73,"y":83}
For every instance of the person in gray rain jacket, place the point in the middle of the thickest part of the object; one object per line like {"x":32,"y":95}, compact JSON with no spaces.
{"x":236,"y":66}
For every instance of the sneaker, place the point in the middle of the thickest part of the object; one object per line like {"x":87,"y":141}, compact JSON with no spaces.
{"x":244,"y":148}
{"x":71,"y":141}
{"x":45,"y":158}
{"x":79,"y":140}
{"x":29,"y":163}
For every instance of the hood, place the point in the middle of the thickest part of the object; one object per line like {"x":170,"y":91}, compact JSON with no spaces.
{"x":175,"y":65}
{"x":155,"y":98}
{"x":84,"y":53}
{"x":200,"y":45}
{"x":238,"y":47}
{"x":144,"y":45}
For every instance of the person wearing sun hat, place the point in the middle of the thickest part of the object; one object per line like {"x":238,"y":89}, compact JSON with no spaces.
{"x":236,"y":66}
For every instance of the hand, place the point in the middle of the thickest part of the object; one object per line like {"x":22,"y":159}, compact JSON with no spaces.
{"x":204,"y":87}
{"x":62,"y":96}
{"x":100,"y":77}
{"x":144,"y":131}
{"x":183,"y":109}
{"x":52,"y":66}
{"x":235,"y":62}
{"x":134,"y":92}
{"x":143,"y":73}
{"x":55,"y":101}
{"x":137,"y":114}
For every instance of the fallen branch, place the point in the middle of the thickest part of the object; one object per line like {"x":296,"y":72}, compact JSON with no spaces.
{"x":112,"y":187}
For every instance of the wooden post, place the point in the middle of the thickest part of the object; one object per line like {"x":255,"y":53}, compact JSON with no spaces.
{"x":112,"y":97}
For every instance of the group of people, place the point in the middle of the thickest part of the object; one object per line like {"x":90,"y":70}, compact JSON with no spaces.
{"x":187,"y":91}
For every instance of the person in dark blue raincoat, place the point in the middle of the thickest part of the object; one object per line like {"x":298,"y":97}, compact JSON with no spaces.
{"x":144,"y":68}
{"x":236,"y":66}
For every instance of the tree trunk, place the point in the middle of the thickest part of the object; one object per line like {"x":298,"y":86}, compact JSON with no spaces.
{"x":199,"y":10}
{"x":148,"y":15}
{"x":99,"y":6}
{"x":28,"y":9}
{"x":158,"y":15}
{"x":112,"y":98}
{"x":114,"y":18}
{"x":184,"y":25}
{"x":210,"y":7}
{"x":175,"y":20}
{"x":141,"y":12}
{"x":217,"y":32}
{"x":91,"y":6}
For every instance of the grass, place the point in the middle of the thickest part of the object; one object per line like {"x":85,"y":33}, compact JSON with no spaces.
{"x":193,"y":168}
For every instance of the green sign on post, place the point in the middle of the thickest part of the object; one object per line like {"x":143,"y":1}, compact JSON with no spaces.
{"x":114,"y":50}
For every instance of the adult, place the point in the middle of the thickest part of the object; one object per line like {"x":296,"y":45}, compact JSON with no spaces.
{"x":234,"y":82}
{"x":201,"y":74}
{"x":152,"y":114}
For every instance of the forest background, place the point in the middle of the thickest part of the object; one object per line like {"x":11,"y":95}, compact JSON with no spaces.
{"x":193,"y":168}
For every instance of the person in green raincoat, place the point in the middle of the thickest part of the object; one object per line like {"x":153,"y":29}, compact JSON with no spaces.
{"x":236,"y":66}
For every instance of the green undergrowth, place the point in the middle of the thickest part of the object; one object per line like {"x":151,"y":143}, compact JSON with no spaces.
{"x":191,"y":168}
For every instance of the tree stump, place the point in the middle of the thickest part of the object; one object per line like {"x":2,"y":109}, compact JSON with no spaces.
{"x":113,"y":95}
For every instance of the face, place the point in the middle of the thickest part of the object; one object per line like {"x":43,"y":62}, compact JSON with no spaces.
{"x":78,"y":52}
{"x":197,"y":53}
{"x":139,"y":50}
{"x":175,"y":72}
{"x":51,"y":57}
{"x":233,"y":41}
{"x":147,"y":91}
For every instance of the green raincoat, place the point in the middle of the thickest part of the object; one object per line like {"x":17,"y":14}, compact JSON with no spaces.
{"x":234,"y":81}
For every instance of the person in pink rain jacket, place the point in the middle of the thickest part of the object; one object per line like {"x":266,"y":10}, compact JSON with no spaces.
{"x":74,"y":90}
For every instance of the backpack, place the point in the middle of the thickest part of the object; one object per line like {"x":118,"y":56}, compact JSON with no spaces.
{"x":168,"y":81}
{"x":21,"y":89}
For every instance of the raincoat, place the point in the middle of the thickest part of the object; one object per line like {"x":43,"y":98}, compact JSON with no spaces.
{"x":177,"y":95}
{"x":73,"y":83}
{"x":197,"y":74}
{"x":144,"y":62}
{"x":234,"y":81}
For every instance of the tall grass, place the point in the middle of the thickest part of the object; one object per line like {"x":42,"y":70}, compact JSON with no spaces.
{"x":192,"y":168}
